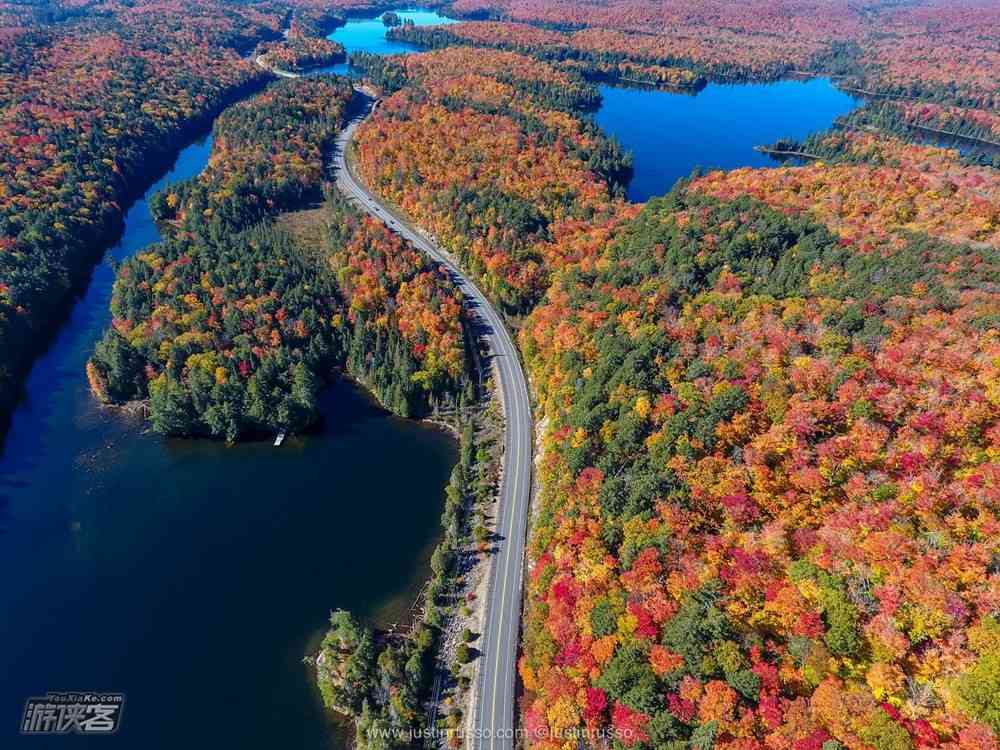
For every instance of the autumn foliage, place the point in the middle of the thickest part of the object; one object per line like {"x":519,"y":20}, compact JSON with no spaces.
{"x":769,"y":486}
{"x":298,"y":53}
{"x":230,"y":325}
{"x":771,"y":442}
{"x":90,"y":106}
{"x":498,"y":109}
{"x":886,"y":189}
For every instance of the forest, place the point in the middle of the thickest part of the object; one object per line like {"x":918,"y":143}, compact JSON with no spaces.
{"x":768,"y":474}
{"x":230,"y":327}
{"x":96,"y":98}
{"x":299,"y":53}
{"x":90,"y":111}
{"x":769,"y":464}
{"x":497,"y":108}
{"x":874,"y":189}
{"x":769,"y":401}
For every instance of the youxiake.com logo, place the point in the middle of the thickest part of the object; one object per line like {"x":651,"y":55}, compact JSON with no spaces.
{"x":79,"y":713}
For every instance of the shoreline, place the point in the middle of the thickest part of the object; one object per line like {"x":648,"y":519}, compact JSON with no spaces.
{"x":155,"y":164}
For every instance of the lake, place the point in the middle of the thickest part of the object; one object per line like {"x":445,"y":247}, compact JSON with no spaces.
{"x":191,"y":575}
{"x":367,"y":34}
{"x":670,"y":133}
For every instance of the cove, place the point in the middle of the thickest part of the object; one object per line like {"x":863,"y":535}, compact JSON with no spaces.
{"x":367,"y":34}
{"x":670,"y":133}
{"x":191,"y":575}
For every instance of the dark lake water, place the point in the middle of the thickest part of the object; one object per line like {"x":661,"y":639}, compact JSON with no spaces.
{"x":194,"y":576}
{"x":670,"y":134}
{"x":190,"y":575}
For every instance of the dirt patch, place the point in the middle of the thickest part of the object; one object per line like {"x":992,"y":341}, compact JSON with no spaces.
{"x":307,"y":227}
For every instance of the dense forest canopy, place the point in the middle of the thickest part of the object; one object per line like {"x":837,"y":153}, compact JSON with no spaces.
{"x":299,"y":53}
{"x":769,"y":404}
{"x":770,"y":497}
{"x":498,"y":108}
{"x":768,"y":515}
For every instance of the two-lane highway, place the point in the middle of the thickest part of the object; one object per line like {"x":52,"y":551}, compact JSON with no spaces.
{"x":493,"y":720}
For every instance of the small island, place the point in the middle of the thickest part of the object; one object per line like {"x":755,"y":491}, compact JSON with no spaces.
{"x":390,"y":19}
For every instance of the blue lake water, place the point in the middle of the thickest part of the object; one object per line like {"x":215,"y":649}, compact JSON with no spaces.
{"x":190,"y":575}
{"x":670,"y":134}
{"x":368,"y":35}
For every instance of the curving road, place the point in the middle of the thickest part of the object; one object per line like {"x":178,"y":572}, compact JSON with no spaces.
{"x":259,"y":62}
{"x":493,"y":720}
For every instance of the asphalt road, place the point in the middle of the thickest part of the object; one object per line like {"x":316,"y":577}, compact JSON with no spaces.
{"x":259,"y":62}
{"x":493,"y":720}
